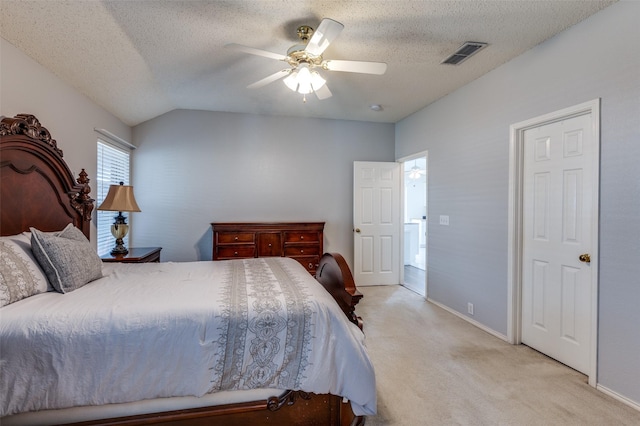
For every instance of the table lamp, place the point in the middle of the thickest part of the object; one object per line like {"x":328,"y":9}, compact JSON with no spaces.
{"x":120,"y":199}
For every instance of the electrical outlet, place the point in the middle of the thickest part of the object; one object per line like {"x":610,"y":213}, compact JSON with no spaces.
{"x":444,"y":220}
{"x":470,"y":308}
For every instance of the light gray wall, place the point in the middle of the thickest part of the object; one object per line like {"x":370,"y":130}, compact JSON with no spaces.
{"x":467,"y":135}
{"x":70,"y":117}
{"x":192,"y":168}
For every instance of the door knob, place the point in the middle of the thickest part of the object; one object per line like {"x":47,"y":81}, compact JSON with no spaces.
{"x":585,"y":258}
{"x":357,"y":230}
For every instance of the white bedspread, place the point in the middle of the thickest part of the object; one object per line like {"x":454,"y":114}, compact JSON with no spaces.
{"x":159,"y":330}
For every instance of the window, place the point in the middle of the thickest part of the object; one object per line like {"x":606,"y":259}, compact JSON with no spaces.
{"x":113,"y":168}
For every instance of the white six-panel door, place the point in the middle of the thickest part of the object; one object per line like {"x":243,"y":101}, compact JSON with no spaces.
{"x":557,"y":215}
{"x":376,"y":223}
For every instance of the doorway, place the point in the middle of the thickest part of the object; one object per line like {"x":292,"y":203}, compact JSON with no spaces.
{"x":414,"y":185}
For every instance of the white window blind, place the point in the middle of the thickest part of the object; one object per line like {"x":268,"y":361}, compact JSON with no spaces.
{"x":113,"y":168}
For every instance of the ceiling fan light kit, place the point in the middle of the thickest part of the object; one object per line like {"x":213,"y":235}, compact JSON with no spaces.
{"x":304,"y":81}
{"x":304,"y":58}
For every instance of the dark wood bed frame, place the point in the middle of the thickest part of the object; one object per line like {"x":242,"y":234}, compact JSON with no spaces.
{"x":38,"y":189}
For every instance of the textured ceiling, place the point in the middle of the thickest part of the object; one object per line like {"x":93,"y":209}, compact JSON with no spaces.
{"x":139,"y":59}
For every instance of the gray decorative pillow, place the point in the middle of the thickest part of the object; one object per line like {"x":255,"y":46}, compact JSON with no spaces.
{"x":18,"y":278}
{"x":68,"y":259}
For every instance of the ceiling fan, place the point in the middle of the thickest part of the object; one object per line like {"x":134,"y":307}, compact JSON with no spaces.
{"x":306,"y":59}
{"x":416,"y":172}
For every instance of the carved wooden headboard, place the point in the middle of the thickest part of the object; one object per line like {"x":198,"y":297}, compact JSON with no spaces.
{"x":37,"y":187}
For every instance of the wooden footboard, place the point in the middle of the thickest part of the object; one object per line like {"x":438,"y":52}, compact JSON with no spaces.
{"x":334,"y":274}
{"x":291,"y":408}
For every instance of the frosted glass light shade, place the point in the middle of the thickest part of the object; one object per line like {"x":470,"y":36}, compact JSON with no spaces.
{"x":317,"y":81}
{"x":304,"y":80}
{"x":291,"y":81}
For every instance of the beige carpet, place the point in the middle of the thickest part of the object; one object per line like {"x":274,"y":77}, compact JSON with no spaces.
{"x":433,"y":368}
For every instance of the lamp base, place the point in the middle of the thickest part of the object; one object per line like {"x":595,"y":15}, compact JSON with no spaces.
{"x":119,"y":249}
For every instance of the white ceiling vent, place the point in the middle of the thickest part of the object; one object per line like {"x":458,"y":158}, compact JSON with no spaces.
{"x":465,"y":51}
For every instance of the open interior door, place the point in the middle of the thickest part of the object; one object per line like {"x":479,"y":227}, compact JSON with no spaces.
{"x":376,"y":222}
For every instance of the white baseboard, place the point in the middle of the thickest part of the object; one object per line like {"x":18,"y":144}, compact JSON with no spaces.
{"x":621,"y":398}
{"x":470,"y":320}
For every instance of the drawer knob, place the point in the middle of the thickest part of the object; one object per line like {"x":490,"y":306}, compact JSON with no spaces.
{"x":302,"y":237}
{"x":311,"y":266}
{"x":235,"y":253}
{"x":301,"y":251}
{"x":270,"y":245}
{"x":236,"y":238}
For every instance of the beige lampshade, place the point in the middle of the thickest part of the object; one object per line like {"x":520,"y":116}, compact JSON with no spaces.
{"x":120,"y":199}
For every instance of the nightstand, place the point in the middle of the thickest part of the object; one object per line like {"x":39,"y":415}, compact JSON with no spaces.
{"x":136,"y":255}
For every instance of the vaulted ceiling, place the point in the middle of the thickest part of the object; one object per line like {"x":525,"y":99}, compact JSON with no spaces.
{"x":139,"y":59}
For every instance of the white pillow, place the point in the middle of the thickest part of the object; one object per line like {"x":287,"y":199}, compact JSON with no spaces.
{"x":20,"y":273}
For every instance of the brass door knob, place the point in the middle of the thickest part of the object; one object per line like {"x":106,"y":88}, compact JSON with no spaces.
{"x":357,"y":230}
{"x":585,"y":258}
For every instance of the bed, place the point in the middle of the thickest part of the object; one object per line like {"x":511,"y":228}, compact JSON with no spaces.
{"x":255,"y":341}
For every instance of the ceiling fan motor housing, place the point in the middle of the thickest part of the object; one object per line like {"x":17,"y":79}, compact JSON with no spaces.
{"x":297,"y":54}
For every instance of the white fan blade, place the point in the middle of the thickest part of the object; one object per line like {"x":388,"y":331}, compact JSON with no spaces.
{"x":270,"y":79}
{"x":327,"y":31}
{"x":254,"y":51}
{"x":378,"y":68}
{"x":323,"y":92}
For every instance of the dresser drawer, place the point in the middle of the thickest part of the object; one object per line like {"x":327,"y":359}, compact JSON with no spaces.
{"x":299,"y":237}
{"x":235,"y":252}
{"x":269,"y":244}
{"x":310,"y":263}
{"x":236,"y":237}
{"x":300,"y":250}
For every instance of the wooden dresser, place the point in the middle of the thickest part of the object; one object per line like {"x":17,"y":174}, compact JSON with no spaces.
{"x":299,"y":240}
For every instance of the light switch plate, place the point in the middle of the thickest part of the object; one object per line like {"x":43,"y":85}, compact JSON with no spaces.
{"x":444,"y":220}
